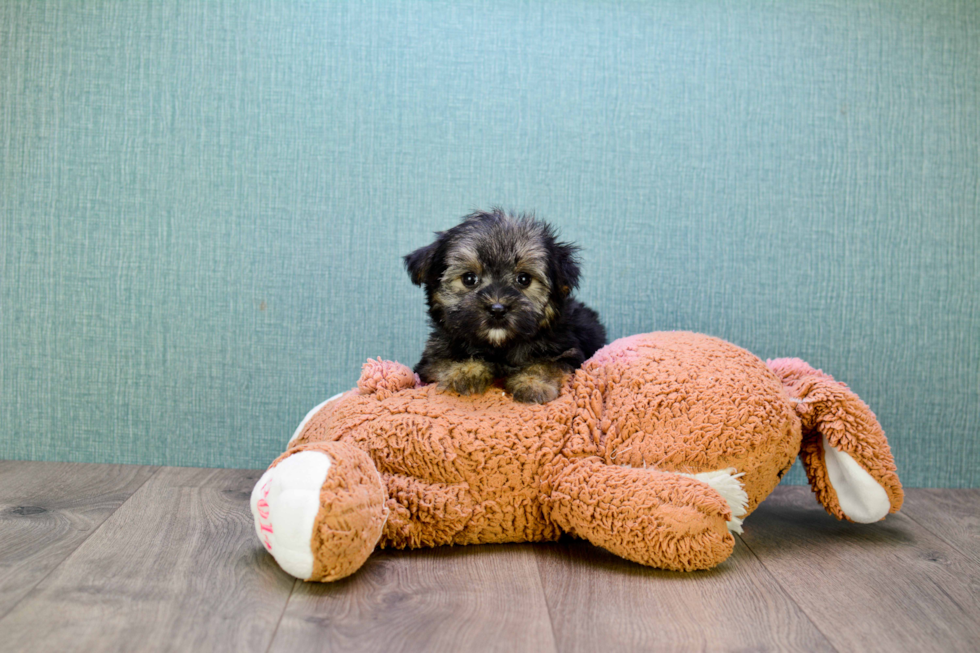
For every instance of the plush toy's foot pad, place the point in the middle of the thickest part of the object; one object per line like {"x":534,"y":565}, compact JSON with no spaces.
{"x":285,"y":503}
{"x":726,"y":483}
{"x":319,"y":510}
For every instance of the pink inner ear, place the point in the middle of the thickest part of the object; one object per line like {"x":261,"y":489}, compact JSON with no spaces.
{"x":385,"y":378}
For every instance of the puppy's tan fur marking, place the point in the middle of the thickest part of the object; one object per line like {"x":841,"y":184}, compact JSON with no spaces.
{"x":465,"y":377}
{"x":460,"y":261}
{"x":549,"y":314}
{"x":445,"y":299}
{"x":536,"y":384}
{"x":460,"y":265}
{"x":538,"y":293}
{"x":529,"y":251}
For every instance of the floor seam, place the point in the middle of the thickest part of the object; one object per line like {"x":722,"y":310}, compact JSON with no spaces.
{"x":285,"y":606}
{"x":786,"y":592}
{"x":79,"y":545}
{"x":547,"y":604}
{"x":968,"y":554}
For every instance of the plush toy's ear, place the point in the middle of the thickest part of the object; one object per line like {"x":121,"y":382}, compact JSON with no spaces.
{"x":421,"y":261}
{"x":565,"y":270}
{"x":844,"y":451}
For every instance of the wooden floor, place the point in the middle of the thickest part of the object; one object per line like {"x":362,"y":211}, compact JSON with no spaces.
{"x":114,"y":558}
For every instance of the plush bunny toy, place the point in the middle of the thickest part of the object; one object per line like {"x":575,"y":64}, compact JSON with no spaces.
{"x":656,"y":449}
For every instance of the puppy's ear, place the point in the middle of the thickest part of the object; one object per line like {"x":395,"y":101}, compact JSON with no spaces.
{"x":565,"y":268}
{"x":420,"y":262}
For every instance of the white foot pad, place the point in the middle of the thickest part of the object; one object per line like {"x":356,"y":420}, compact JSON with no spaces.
{"x":285,"y":503}
{"x":725,"y":482}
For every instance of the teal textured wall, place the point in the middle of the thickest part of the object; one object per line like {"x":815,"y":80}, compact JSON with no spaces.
{"x":203,"y":204}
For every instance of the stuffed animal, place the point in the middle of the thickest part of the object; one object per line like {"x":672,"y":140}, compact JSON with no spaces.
{"x":656,"y":449}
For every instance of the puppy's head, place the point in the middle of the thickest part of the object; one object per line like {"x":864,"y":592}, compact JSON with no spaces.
{"x":495,"y":279}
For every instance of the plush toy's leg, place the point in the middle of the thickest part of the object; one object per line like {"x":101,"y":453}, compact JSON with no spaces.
{"x":320,"y":509}
{"x":424,"y":514}
{"x":660,"y":519}
{"x":844,"y":451}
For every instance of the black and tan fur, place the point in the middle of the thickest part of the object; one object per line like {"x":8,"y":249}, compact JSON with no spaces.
{"x":498,"y":289}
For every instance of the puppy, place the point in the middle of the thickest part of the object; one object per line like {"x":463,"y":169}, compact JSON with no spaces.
{"x":498,"y":289}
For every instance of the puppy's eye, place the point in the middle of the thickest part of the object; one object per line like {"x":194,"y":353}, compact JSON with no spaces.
{"x":524,"y":280}
{"x":469,"y":279}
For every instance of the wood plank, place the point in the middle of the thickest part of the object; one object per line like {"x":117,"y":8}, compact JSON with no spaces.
{"x":887,"y":586}
{"x":951,"y":515}
{"x":599,"y":601}
{"x":177,"y":567}
{"x":47,"y":510}
{"x":486,"y":598}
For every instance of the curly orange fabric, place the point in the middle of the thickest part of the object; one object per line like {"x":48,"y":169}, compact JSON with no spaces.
{"x":828,"y":408}
{"x":603,"y":461}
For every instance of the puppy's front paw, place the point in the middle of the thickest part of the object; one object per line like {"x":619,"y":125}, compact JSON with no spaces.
{"x":466,"y":377}
{"x":536,"y":384}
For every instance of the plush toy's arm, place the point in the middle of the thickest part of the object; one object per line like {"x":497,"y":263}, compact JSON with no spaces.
{"x":844,"y":450}
{"x":655,"y":518}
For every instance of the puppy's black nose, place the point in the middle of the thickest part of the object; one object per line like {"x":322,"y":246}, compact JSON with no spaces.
{"x":497,"y":310}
